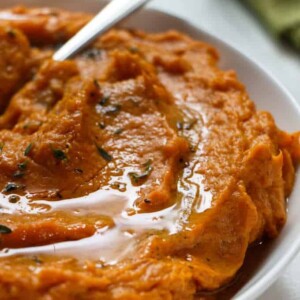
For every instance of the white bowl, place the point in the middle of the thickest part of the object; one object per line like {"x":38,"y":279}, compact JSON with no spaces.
{"x":267,"y":93}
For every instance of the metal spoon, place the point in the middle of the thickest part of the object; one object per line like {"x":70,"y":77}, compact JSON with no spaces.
{"x":111,"y":14}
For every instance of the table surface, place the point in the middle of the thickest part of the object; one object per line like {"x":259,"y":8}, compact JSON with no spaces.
{"x":234,"y":24}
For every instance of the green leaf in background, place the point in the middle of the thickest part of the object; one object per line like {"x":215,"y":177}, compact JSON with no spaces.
{"x":282,"y":17}
{"x":4,"y":229}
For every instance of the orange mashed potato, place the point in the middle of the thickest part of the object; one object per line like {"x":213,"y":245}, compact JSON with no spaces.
{"x":136,"y":170}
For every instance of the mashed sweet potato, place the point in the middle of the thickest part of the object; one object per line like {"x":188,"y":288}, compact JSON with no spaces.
{"x":136,"y":170}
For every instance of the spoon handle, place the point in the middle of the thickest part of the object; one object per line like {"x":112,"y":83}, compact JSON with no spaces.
{"x":111,"y":14}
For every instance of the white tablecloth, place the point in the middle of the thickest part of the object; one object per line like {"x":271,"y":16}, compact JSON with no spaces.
{"x":229,"y":20}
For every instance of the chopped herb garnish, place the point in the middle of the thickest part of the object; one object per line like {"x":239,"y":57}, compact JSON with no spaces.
{"x":113,"y":109}
{"x":137,"y":178}
{"x":104,"y":100}
{"x":147,"y":165}
{"x":96,"y":83}
{"x":92,"y":53}
{"x":59,"y":195}
{"x":18,"y":174}
{"x":23,"y":165}
{"x":134,"y":49}
{"x":101,"y":125}
{"x":10,"y":187}
{"x":28,"y":149}
{"x":1,"y":147}
{"x":5,"y":230}
{"x":192,"y":148}
{"x":186,"y":126}
{"x":179,"y":125}
{"x":190,"y":125}
{"x":104,"y":154}
{"x":58,"y":154}
{"x":135,"y":102}
{"x":37,"y":260}
{"x":119,"y":131}
{"x":78,"y":171}
{"x":11,"y":33}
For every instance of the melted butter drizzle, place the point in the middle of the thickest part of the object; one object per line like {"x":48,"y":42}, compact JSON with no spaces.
{"x":112,"y":244}
{"x":194,"y":194}
{"x":109,"y":244}
{"x":12,"y":17}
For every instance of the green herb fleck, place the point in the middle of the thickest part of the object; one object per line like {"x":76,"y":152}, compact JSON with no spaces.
{"x":96,"y":83}
{"x":28,"y":149}
{"x":37,"y":260}
{"x":10,"y":187}
{"x":101,"y":125}
{"x":147,"y":165}
{"x":11,"y":33}
{"x":138,"y":178}
{"x":134,"y":49}
{"x":58,"y":154}
{"x":190,"y":124}
{"x":104,"y":100}
{"x":92,"y":53}
{"x":104,"y":154}
{"x":1,"y":147}
{"x":113,"y":109}
{"x":179,"y":125}
{"x":18,"y":174}
{"x":5,"y":230}
{"x":23,"y":165}
{"x":186,"y":126}
{"x":119,"y":131}
{"x":134,"y":102}
{"x":78,"y":171}
{"x":59,"y":195}
{"x":192,"y":148}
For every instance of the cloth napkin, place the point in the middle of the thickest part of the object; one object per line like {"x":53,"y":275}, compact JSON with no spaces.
{"x":282,"y":17}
